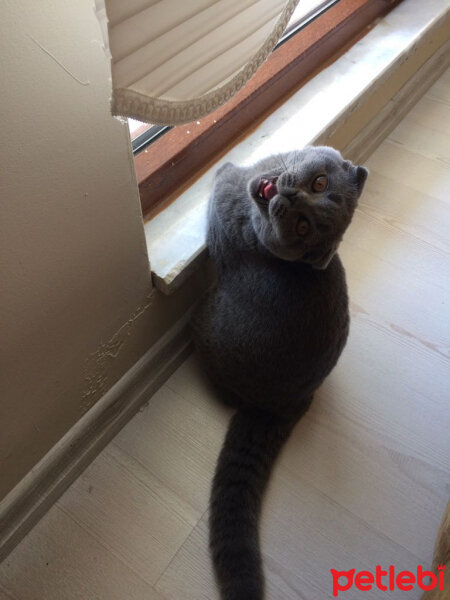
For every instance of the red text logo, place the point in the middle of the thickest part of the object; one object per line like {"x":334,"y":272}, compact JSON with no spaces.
{"x":387,"y":580}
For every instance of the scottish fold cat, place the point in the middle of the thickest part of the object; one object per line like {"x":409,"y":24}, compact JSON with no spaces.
{"x":272,"y":328}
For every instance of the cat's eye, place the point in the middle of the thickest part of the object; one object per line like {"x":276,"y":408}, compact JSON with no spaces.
{"x":320,"y":183}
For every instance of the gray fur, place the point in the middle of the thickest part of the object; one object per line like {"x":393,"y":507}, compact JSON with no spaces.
{"x":271,"y":330}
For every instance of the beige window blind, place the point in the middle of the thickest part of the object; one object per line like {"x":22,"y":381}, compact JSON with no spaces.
{"x":174,"y":61}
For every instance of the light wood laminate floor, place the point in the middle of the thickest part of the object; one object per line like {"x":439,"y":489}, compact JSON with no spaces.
{"x":364,"y":478}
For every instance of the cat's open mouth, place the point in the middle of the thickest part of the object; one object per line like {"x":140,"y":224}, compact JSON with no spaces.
{"x":267,"y":188}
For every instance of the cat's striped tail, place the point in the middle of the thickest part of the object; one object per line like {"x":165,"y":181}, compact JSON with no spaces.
{"x":251,"y":446}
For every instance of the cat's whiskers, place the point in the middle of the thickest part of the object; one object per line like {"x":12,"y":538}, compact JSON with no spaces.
{"x":283,"y":163}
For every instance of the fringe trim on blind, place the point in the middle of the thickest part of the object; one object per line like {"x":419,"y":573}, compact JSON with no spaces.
{"x":129,"y":103}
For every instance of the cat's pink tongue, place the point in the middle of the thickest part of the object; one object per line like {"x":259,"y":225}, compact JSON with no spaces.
{"x":267,"y":189}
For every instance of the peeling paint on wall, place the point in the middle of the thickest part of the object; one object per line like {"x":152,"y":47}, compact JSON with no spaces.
{"x":98,"y":363}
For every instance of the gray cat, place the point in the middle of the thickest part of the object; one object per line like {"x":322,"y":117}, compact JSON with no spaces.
{"x":272,"y":328}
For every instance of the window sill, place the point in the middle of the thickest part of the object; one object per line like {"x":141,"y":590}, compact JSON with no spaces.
{"x":343,"y":93}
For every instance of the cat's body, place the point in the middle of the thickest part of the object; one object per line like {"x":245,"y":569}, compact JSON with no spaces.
{"x":272,"y":329}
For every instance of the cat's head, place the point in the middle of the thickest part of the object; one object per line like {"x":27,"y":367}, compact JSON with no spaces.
{"x":304,"y":202}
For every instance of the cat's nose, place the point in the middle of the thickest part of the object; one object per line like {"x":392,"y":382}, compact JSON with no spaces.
{"x":289,"y":193}
{"x":292,"y":193}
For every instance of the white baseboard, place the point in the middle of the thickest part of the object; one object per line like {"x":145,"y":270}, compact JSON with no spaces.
{"x":385,"y":121}
{"x":46,"y":482}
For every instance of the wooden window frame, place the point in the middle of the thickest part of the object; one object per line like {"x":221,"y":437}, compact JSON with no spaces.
{"x":171,"y":163}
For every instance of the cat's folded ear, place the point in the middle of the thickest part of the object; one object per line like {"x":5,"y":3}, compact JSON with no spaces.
{"x":360,"y":174}
{"x":225,"y":167}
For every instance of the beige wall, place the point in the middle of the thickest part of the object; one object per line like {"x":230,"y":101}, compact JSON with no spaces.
{"x":76,"y":304}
